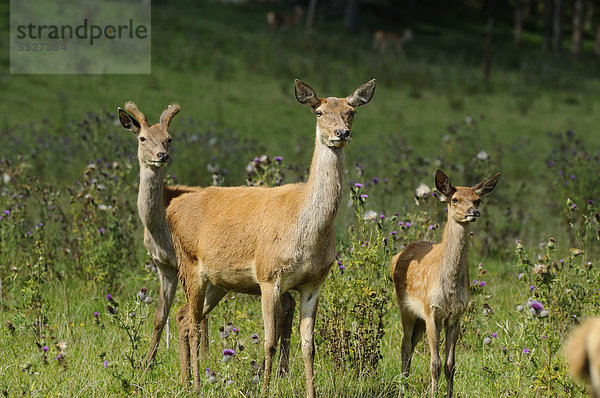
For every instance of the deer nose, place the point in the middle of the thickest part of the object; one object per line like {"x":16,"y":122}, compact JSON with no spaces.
{"x":342,"y":134}
{"x":163,"y":156}
{"x":474,"y":212}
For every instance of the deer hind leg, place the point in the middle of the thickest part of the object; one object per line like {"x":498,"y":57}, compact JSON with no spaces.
{"x":433,"y":336}
{"x":270,"y":302}
{"x":183,"y":323}
{"x":195,"y":300}
{"x":284,"y":331}
{"x":168,"y":286}
{"x":452,"y":331}
{"x":413,"y":327}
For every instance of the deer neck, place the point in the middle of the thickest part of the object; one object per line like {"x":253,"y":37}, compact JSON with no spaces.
{"x":323,"y":191}
{"x":150,"y":199}
{"x":454,"y":262}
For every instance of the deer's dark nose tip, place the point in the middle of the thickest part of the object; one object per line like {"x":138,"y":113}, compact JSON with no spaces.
{"x":163,"y":156}
{"x":475,"y":212}
{"x":342,"y":134}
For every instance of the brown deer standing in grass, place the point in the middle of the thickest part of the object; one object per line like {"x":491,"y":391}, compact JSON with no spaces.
{"x":583,"y":354}
{"x":268,"y":241}
{"x":432,"y":280}
{"x":384,"y":41}
{"x":279,"y":21}
{"x":153,"y":198}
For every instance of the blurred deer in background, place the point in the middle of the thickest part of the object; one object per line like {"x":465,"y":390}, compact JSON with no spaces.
{"x":268,"y":241}
{"x":583,"y":354}
{"x":432,"y":280}
{"x":384,"y":41}
{"x":279,"y":21}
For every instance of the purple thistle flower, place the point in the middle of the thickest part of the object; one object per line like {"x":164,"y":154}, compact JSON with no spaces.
{"x":228,"y":351}
{"x":358,"y":185}
{"x":494,"y":335}
{"x":401,"y":223}
{"x":364,"y":196}
{"x":520,"y":276}
{"x":56,"y":358}
{"x":394,"y":232}
{"x":474,"y":282}
{"x":342,"y":267}
{"x":278,"y":159}
{"x":572,"y":176}
{"x":430,"y":227}
{"x":339,"y":263}
{"x":375,"y":180}
{"x":396,"y":214}
{"x":544,"y":336}
{"x":482,"y":284}
{"x":45,"y":348}
{"x":531,"y":287}
{"x":102,"y":230}
{"x":382,"y":216}
{"x":96,"y":314}
{"x":236,"y":330}
{"x":574,"y":206}
{"x":526,"y":351}
{"x":562,"y":260}
{"x":109,"y":297}
{"x":105,"y":364}
{"x":7,"y":212}
{"x":408,"y":224}
{"x":257,"y":160}
{"x":536,"y":305}
{"x":255,"y":339}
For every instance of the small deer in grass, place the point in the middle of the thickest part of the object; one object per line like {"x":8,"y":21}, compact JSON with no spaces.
{"x":432,"y":280}
{"x":268,"y":241}
{"x":583,"y":354}
{"x":384,"y":41}
{"x":153,"y":198}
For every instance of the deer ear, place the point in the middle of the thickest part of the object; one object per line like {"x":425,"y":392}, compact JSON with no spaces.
{"x":168,"y":114}
{"x":306,"y":95}
{"x":442,"y":183}
{"x":487,"y":186}
{"x":362,"y":95}
{"x":128,"y":121}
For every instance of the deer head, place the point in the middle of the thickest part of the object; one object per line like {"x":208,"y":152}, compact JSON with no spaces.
{"x":153,"y":141}
{"x":463,"y":202}
{"x":334,"y":115}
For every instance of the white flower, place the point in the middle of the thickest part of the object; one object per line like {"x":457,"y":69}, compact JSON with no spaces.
{"x":482,"y":155}
{"x":370,"y":215}
{"x":422,"y":190}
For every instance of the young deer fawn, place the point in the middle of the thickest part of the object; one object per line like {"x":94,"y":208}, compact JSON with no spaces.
{"x":583,"y":354}
{"x":279,"y":21}
{"x":384,"y":41}
{"x":432,"y":280}
{"x":153,"y":198}
{"x":268,"y":241}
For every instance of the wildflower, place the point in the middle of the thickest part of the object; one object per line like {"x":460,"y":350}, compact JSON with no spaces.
{"x":102,"y":230}
{"x":401,"y":223}
{"x":408,"y":224}
{"x":257,"y":160}
{"x":255,"y":339}
{"x":223,"y":333}
{"x":394,"y":232}
{"x":207,"y":372}
{"x":540,"y":269}
{"x":227,"y":355}
{"x":422,"y":191}
{"x":520,"y":276}
{"x":482,"y":284}
{"x":142,"y":293}
{"x":375,"y":180}
{"x":212,"y":379}
{"x":526,"y":351}
{"x":520,"y":308}
{"x":482,"y":155}
{"x":96,"y":314}
{"x":369,"y":215}
{"x":278,"y":159}
{"x":358,"y":185}
{"x":342,"y":267}
{"x":58,"y":357}
{"x":474,"y":282}
{"x":105,"y":364}
{"x":236,"y":330}
{"x":544,"y":336}
{"x":531,"y":287}
{"x":487,"y":341}
{"x":364,"y":196}
{"x":229,"y":327}
{"x":431,"y":227}
{"x":45,"y":348}
{"x":382,"y":216}
{"x":494,"y":335}
{"x":109,"y":297}
{"x":6,"y":212}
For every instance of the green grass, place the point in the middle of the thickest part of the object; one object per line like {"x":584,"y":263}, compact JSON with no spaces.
{"x":234,"y":81}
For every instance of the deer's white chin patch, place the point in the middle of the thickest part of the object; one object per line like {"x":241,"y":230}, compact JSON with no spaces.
{"x":340,"y":143}
{"x":158,"y":164}
{"x":471,"y":218}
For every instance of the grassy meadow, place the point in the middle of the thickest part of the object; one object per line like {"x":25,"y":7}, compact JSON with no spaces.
{"x":70,"y":234}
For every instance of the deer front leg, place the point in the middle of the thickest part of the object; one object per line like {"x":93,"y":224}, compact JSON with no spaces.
{"x":270,"y":303}
{"x":309,"y":300}
{"x":452,"y":331}
{"x":433,"y":335}
{"x":214,"y":294}
{"x":284,"y":331}
{"x":195,"y":300}
{"x":183,"y":324}
{"x":168,"y":285}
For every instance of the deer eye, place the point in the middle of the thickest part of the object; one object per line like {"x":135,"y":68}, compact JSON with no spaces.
{"x":477,"y":202}
{"x":169,"y":140}
{"x":454,"y":200}
{"x":352,"y":113}
{"x":142,"y":139}
{"x":319,"y":113}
